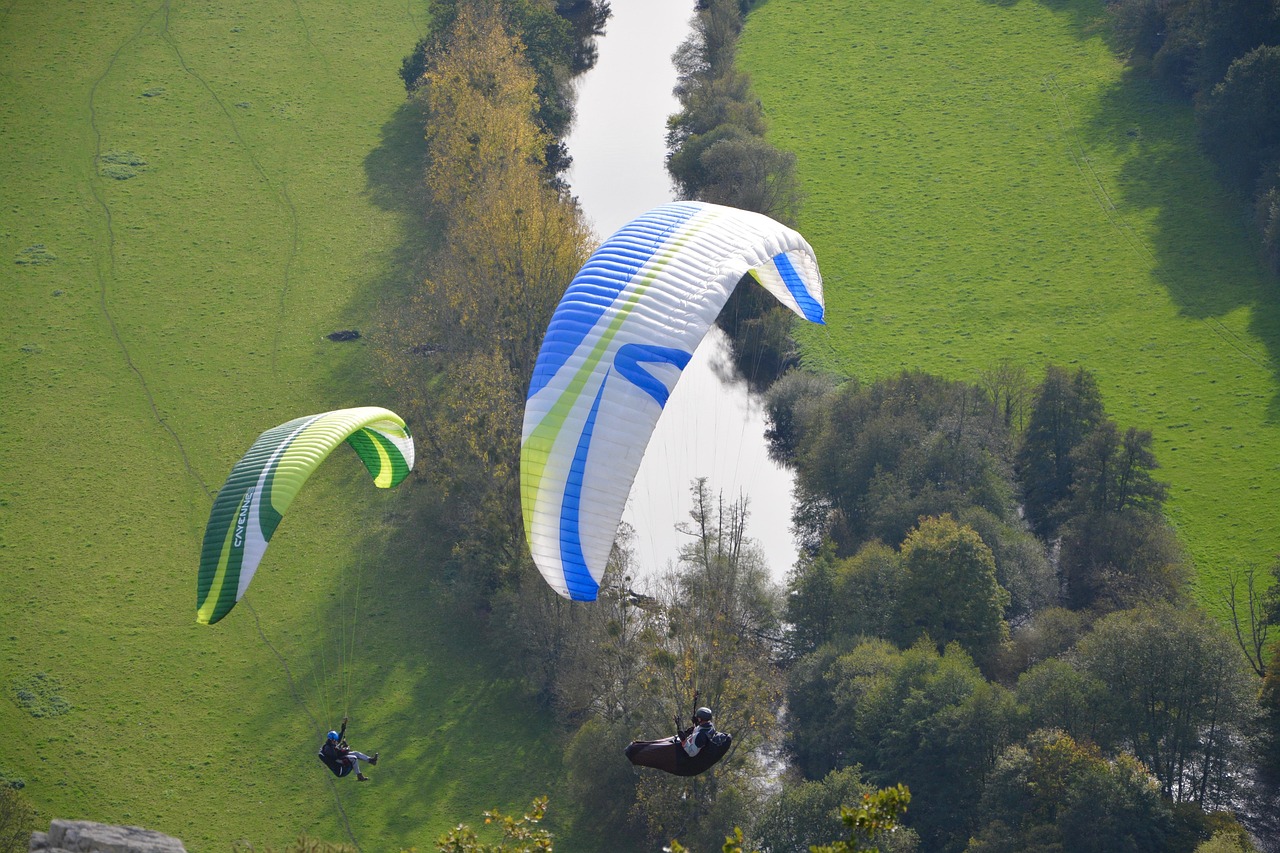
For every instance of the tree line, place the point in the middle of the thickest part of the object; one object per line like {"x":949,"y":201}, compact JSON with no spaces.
{"x":1001,"y":619}
{"x":717,"y":152}
{"x":461,"y":345}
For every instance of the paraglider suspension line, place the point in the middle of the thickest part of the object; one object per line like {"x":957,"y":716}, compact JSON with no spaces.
{"x":297,"y":696}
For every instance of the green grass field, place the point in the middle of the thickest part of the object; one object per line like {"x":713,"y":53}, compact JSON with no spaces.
{"x":194,"y":195}
{"x":986,"y":181}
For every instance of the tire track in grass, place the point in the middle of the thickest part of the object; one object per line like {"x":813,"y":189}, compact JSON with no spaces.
{"x":306,"y":35}
{"x":106,"y":277}
{"x":281,"y":192}
{"x":413,"y":19}
{"x":1084,"y":165}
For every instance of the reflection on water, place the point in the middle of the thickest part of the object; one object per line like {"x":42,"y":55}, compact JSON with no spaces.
{"x":711,"y":426}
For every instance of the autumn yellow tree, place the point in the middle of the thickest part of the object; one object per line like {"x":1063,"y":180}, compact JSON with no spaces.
{"x":463,"y":345}
{"x":511,"y":241}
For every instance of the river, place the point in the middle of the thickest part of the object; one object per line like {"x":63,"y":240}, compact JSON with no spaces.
{"x":711,"y":427}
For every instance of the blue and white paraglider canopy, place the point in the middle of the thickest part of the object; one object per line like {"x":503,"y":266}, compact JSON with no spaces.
{"x":616,"y":346}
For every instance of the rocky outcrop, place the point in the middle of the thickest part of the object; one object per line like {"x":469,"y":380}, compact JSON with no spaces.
{"x":84,"y":836}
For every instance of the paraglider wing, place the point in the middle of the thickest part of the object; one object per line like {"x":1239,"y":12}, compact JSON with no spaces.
{"x":265,"y":480}
{"x":615,"y":348}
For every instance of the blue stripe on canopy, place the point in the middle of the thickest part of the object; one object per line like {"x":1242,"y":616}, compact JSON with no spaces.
{"x":577,"y":577}
{"x":629,"y":358}
{"x":605,"y":275}
{"x":812,"y":310}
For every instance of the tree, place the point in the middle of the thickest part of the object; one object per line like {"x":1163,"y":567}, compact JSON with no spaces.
{"x":17,"y":819}
{"x":560,"y":39}
{"x":1117,"y":560}
{"x":949,"y":590}
{"x":831,"y":598}
{"x":1239,"y":117}
{"x":871,"y":461}
{"x":1007,"y":391}
{"x":519,"y":834}
{"x":1178,"y":695}
{"x":871,"y":821}
{"x":705,"y":635}
{"x":1066,"y":409}
{"x":720,"y":622}
{"x":1269,"y":718}
{"x":586,"y":663}
{"x":1226,"y":841}
{"x":1057,"y":695}
{"x":793,"y":405}
{"x":1248,"y":617}
{"x":510,"y":243}
{"x":1058,"y":794}
{"x":1113,"y":473}
{"x":868,"y":586}
{"x":823,"y":690}
{"x":1022,"y":564}
{"x":806,"y":814}
{"x":1048,"y":634}
{"x":717,"y":150}
{"x":811,"y":606}
{"x":920,"y":718}
{"x":748,"y":172}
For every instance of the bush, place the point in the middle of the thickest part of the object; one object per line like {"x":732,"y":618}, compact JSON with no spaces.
{"x":17,"y":820}
{"x":39,"y":695}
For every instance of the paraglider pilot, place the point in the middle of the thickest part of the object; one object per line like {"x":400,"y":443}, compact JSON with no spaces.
{"x":341,"y":758}
{"x":698,"y":736}
{"x":689,"y":753}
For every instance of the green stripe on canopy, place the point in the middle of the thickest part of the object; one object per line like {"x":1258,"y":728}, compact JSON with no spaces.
{"x":265,"y":481}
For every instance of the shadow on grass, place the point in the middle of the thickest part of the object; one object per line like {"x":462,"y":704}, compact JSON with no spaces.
{"x":1202,"y":248}
{"x":422,"y":681}
{"x":1204,"y":251}
{"x":425,"y":686}
{"x":396,"y":172}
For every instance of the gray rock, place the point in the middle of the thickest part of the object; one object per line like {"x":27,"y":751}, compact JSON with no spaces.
{"x":84,"y":836}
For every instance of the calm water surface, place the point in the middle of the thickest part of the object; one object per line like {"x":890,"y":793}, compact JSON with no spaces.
{"x":711,"y":426}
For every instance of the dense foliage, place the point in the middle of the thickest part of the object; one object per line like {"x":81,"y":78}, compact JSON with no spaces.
{"x":558,"y":43}
{"x":17,"y":819}
{"x":905,"y":664}
{"x":510,"y":240}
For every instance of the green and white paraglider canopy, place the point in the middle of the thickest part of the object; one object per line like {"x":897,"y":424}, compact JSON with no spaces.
{"x":267,"y":478}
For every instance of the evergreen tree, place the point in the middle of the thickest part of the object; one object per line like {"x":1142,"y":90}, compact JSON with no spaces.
{"x":1067,"y":408}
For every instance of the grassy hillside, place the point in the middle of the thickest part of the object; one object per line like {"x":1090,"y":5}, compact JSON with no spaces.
{"x":986,"y":181}
{"x":195,"y":194}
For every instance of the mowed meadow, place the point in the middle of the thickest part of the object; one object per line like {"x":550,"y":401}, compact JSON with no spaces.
{"x":986,"y":181}
{"x":194,"y":195}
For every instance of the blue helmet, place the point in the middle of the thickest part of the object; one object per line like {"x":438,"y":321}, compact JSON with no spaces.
{"x":333,"y":735}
